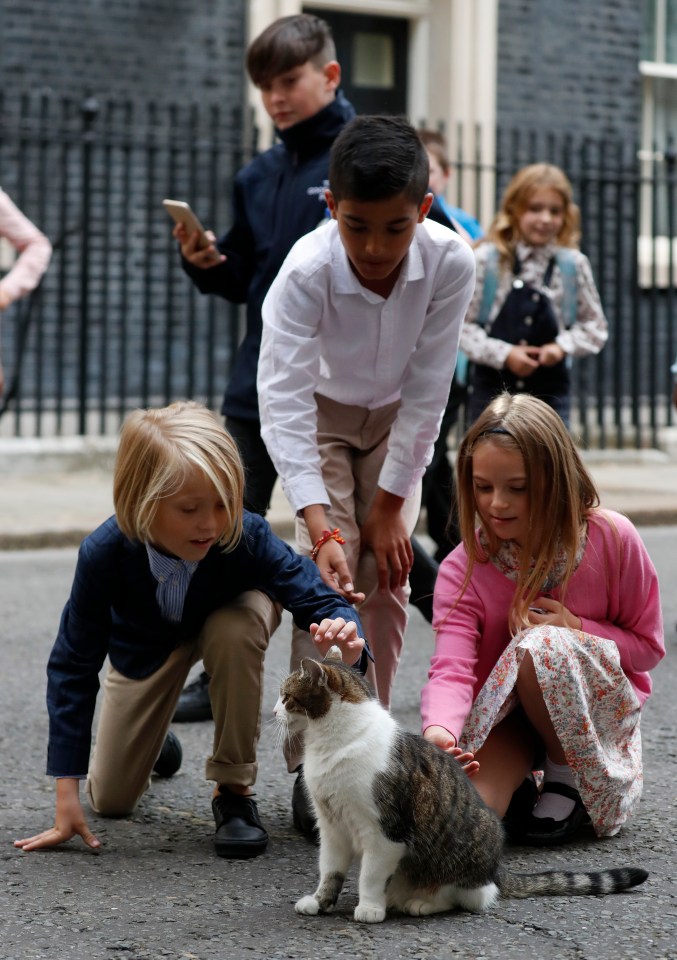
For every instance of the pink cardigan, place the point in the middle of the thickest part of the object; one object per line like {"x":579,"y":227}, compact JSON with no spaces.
{"x":614,"y":591}
{"x":34,"y":248}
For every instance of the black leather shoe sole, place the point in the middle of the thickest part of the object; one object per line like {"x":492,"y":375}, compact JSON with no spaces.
{"x":238,"y":849}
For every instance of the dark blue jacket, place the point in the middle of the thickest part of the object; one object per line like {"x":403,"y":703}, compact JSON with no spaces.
{"x":277,"y":198}
{"x":112,"y":610}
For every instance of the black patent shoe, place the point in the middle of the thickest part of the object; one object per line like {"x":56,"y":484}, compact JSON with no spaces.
{"x":520,"y":809}
{"x":194,"y":704}
{"x":170,"y":757}
{"x":239,"y":832}
{"x":302,"y":810}
{"x":545,"y":831}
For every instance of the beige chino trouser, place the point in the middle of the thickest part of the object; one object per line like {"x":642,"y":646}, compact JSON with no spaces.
{"x":136,"y":714}
{"x":353,"y":442}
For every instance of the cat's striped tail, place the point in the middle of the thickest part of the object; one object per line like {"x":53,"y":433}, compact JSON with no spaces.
{"x":570,"y":883}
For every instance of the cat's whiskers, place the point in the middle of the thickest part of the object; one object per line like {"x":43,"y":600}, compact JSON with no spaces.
{"x":282,"y":734}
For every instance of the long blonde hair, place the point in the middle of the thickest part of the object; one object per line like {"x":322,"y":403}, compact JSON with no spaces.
{"x":158,"y":449}
{"x":561,"y":493}
{"x":504,"y":230}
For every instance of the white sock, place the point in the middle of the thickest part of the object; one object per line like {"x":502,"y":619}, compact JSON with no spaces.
{"x":552,"y":804}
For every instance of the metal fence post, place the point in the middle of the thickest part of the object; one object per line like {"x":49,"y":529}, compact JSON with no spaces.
{"x":90,"y":109}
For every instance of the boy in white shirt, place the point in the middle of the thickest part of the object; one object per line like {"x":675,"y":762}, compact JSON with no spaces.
{"x":360,"y":334}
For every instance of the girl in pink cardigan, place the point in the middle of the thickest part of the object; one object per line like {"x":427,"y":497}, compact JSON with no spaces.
{"x":34,"y":251}
{"x":548,"y":620}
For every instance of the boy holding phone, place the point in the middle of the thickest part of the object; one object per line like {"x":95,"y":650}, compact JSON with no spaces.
{"x":277,"y":198}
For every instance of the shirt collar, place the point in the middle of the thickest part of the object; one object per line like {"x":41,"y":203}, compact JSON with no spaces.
{"x":526,"y":252}
{"x":162,"y":566}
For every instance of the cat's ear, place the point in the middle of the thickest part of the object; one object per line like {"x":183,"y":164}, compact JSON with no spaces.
{"x":334,"y":653}
{"x":313,"y":669}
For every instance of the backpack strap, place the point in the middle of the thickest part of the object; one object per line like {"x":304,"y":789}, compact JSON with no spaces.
{"x":565,"y":258}
{"x":566,"y":261}
{"x":490,"y":285}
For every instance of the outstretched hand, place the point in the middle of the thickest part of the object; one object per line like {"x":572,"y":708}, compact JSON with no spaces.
{"x":338,"y":632}
{"x":333,"y":568}
{"x":69,"y":821}
{"x":385,"y":533}
{"x":446,"y":741}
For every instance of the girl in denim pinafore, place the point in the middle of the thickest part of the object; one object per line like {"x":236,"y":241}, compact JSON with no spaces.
{"x":535,"y":304}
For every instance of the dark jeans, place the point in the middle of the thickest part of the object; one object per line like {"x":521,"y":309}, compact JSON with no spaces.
{"x":260,"y":473}
{"x":439,"y":498}
{"x":439,"y":484}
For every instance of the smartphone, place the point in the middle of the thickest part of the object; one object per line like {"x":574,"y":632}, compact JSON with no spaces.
{"x":181,"y":212}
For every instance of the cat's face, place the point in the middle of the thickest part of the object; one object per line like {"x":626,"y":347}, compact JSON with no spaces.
{"x":309,"y":693}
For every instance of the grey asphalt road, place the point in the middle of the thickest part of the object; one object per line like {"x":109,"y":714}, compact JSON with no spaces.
{"x":157,"y":889}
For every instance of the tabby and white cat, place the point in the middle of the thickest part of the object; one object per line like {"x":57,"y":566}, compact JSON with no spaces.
{"x":425,"y":840}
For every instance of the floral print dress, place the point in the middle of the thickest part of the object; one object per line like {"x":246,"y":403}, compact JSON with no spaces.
{"x":592,"y":706}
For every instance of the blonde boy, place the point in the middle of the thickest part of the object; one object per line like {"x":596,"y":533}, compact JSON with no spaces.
{"x":180,"y":573}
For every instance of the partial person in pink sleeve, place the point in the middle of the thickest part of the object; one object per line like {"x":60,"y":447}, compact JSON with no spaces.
{"x":34,"y":254}
{"x":548,"y":622}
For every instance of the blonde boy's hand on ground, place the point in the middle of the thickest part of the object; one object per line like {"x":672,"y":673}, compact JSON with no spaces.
{"x":384,"y":532}
{"x":340,"y":632}
{"x":69,"y":821}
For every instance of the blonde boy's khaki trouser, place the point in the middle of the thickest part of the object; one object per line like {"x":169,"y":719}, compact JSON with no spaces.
{"x":353,"y":442}
{"x":136,"y":714}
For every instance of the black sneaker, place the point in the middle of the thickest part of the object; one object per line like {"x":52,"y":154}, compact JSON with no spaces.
{"x":302,"y":810}
{"x":194,"y":704}
{"x":171,"y":755}
{"x":239,"y":833}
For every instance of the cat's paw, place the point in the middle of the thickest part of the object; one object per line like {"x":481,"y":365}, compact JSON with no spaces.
{"x":418,"y":908}
{"x":308,"y":906}
{"x":369,"y":914}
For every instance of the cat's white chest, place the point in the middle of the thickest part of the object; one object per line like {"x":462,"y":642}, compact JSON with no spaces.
{"x":340,"y":772}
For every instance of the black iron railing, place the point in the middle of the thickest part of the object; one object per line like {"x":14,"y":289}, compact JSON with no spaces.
{"x":116,"y":323}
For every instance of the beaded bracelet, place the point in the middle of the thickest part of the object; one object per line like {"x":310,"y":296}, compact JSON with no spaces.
{"x":334,"y":534}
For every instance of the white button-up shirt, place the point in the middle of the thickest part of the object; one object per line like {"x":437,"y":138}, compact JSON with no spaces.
{"x":323,"y":332}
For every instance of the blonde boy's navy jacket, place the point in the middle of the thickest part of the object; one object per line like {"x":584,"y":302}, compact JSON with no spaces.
{"x":112,"y":611}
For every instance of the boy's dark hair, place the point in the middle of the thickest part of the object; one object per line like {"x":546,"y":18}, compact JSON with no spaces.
{"x":287,"y":43}
{"x":376,"y":158}
{"x":435,"y":143}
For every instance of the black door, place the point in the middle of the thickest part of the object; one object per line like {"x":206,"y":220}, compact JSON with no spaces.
{"x":372,"y":52}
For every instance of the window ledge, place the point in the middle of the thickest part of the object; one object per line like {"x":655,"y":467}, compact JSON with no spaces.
{"x":651,"y":68}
